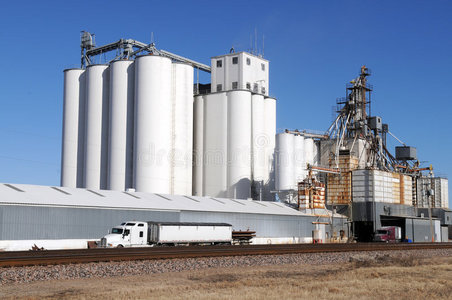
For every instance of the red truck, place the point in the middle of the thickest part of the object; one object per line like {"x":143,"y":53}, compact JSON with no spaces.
{"x":389,"y":234}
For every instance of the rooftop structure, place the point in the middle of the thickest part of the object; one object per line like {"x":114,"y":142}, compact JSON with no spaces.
{"x":242,"y":70}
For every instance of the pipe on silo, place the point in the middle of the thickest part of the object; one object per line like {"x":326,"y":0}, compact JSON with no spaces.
{"x":73,"y":128}
{"x":96,"y":140}
{"x":121,"y":125}
{"x":153,"y":124}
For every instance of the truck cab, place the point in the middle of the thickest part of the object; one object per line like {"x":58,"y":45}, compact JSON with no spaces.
{"x":128,"y":234}
{"x":389,"y":234}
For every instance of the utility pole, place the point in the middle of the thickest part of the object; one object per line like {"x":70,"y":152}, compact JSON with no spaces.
{"x":430,"y":193}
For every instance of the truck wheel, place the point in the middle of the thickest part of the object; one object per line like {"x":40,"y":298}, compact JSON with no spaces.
{"x":120,"y":246}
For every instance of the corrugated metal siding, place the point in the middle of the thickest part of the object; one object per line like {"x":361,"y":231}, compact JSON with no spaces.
{"x":441,"y":196}
{"x":339,"y":187}
{"x":28,"y":222}
{"x":34,"y":222}
{"x":42,"y":212}
{"x":265,"y":225}
{"x":381,"y":186}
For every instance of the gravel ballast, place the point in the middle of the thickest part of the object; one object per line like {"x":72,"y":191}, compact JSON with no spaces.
{"x":127,"y":268}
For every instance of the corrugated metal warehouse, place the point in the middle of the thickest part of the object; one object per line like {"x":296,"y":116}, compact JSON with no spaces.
{"x":43,"y":212}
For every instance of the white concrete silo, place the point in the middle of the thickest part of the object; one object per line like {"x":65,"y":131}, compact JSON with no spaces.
{"x":239,"y":144}
{"x":316,"y":153}
{"x":120,"y":158}
{"x":259,"y":138}
{"x":309,"y":150}
{"x":299,"y":158}
{"x":215,"y":145}
{"x":198,"y":145}
{"x":96,"y":134}
{"x":153,"y":124}
{"x":73,"y":128}
{"x":182,"y":129}
{"x":270,"y":134}
{"x":285,"y":162}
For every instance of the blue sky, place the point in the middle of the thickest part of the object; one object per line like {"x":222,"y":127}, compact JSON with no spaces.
{"x":314,"y":48}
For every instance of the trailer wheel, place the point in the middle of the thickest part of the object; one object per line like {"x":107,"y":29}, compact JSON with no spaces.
{"x":120,"y":246}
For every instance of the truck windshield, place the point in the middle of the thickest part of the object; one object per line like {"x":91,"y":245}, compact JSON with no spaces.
{"x":382,"y":232}
{"x":116,"y":231}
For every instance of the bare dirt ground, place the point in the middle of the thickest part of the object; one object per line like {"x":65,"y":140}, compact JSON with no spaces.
{"x":361,"y":278}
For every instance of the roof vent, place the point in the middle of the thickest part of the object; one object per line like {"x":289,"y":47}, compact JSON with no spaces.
{"x":192,"y":199}
{"x":59,"y":190}
{"x":96,"y":193}
{"x":127,"y":193}
{"x":166,"y":198}
{"x":14,"y":188}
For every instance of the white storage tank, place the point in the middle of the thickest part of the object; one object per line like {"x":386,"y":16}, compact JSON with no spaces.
{"x":234,"y":141}
{"x":309,"y":150}
{"x":73,"y":128}
{"x":96,"y":112}
{"x":120,"y":164}
{"x":182,"y":129}
{"x":153,"y":124}
{"x":239,"y":148}
{"x":260,"y":140}
{"x":285,"y":162}
{"x":270,"y":134}
{"x":215,"y":145}
{"x":316,"y":153}
{"x":299,"y":158}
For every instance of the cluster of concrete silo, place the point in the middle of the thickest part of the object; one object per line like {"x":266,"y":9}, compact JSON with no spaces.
{"x":234,"y":145}
{"x":129,"y":124}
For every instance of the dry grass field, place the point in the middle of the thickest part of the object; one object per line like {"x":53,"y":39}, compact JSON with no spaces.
{"x":387,"y":278}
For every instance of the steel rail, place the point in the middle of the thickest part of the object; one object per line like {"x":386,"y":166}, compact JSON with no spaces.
{"x":52,"y":257}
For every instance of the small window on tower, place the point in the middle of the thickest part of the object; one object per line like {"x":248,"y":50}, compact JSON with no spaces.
{"x":263,"y":67}
{"x":255,"y":88}
{"x":263,"y":90}
{"x":248,"y":86}
{"x":219,"y":87}
{"x":235,"y":85}
{"x":248,"y":61}
{"x":235,"y":60}
{"x":219,"y":63}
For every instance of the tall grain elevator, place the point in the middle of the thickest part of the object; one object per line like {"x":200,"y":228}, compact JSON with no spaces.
{"x":234,"y":130}
{"x":140,"y":123}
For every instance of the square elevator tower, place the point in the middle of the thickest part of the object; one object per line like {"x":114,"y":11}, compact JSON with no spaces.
{"x":239,"y":71}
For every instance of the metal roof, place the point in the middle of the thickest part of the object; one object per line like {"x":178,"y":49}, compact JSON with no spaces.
{"x":24,"y":194}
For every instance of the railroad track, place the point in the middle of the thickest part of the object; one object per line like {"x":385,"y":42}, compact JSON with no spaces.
{"x":52,"y":257}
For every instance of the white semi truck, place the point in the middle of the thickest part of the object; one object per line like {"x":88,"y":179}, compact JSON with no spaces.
{"x":145,"y":234}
